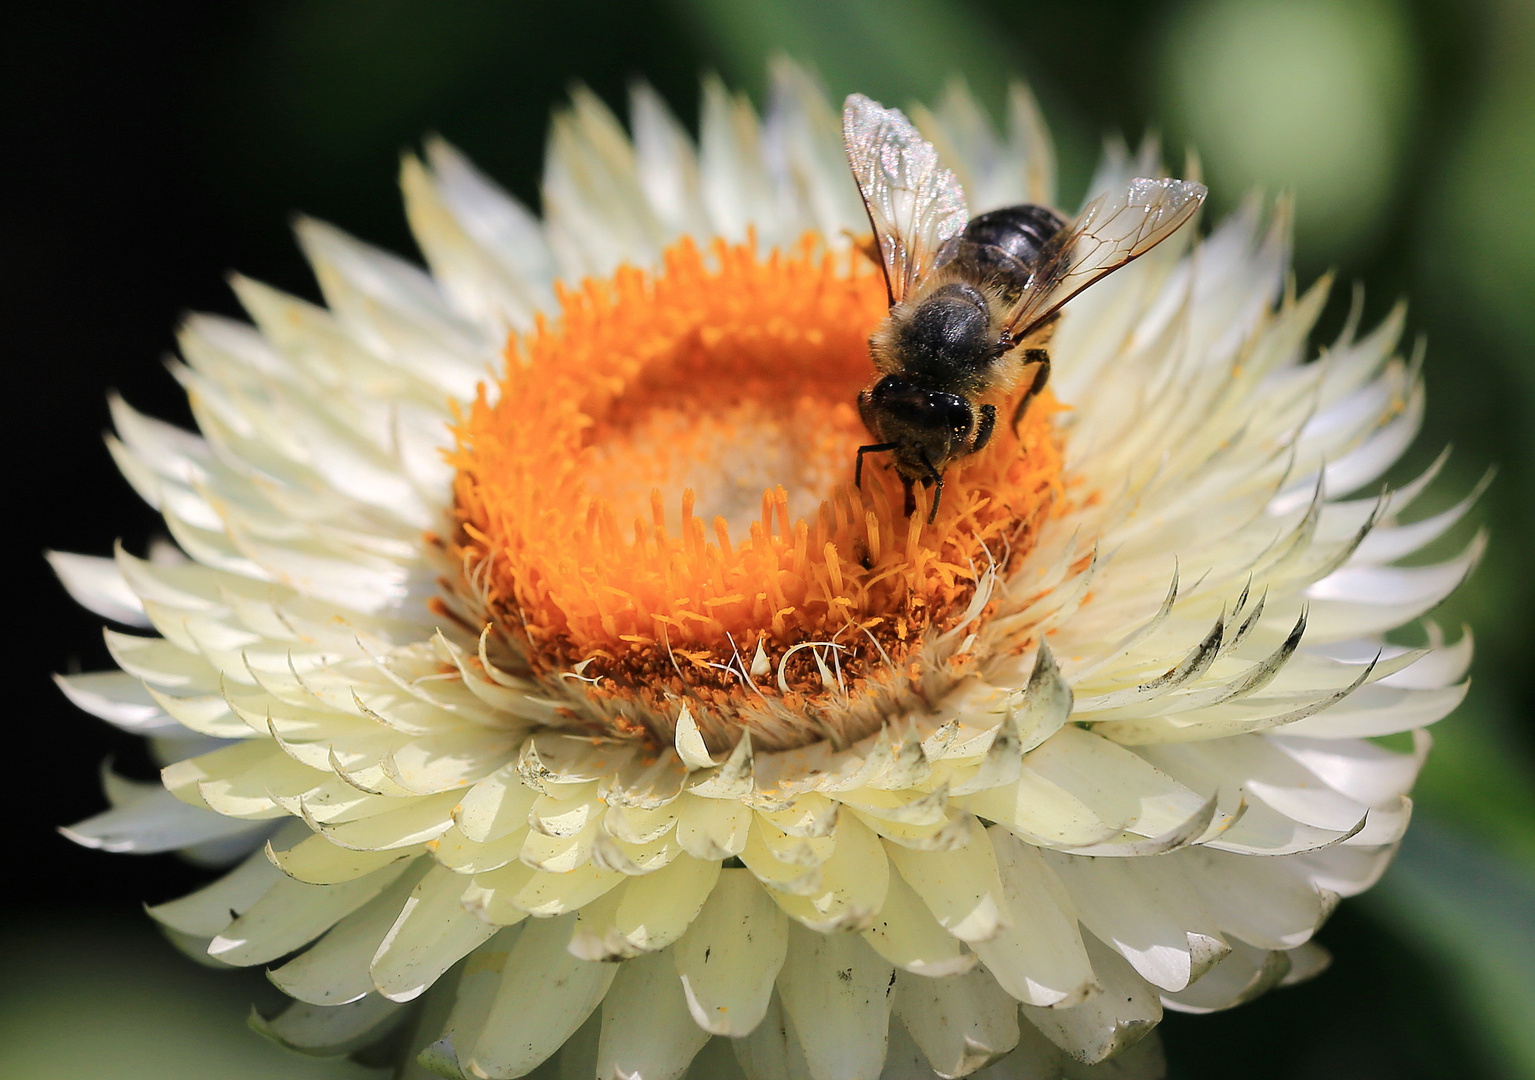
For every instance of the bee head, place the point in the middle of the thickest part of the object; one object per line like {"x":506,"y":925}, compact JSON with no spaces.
{"x":927,"y":427}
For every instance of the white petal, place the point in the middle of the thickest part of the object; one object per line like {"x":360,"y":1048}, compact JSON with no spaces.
{"x":119,"y":699}
{"x":1034,"y":1058}
{"x":334,"y":970}
{"x":1242,"y":976}
{"x":160,"y":822}
{"x":772,"y":1051}
{"x":498,"y":222}
{"x":667,"y":164}
{"x":906,"y":934}
{"x":97,"y":584}
{"x":1259,"y":900}
{"x":208,"y":910}
{"x":1148,"y":911}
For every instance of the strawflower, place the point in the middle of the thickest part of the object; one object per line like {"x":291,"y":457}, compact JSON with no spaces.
{"x":565,"y":706}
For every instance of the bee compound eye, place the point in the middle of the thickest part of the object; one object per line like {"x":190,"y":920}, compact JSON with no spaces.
{"x":957,"y":414}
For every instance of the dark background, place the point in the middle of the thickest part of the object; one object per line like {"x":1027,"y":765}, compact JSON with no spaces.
{"x":153,"y":147}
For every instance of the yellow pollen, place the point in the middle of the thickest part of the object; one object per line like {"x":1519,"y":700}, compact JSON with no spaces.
{"x":662,"y":488}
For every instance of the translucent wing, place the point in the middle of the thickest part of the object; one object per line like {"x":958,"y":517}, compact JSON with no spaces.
{"x":1115,"y":228}
{"x":914,"y":206}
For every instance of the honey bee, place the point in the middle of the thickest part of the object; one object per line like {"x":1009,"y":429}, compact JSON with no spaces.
{"x":973,"y":301}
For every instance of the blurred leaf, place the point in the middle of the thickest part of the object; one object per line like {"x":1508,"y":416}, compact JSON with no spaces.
{"x":1476,"y":781}
{"x":1306,"y":95}
{"x":96,"y":996}
{"x":1474,"y":911}
{"x":894,"y":50}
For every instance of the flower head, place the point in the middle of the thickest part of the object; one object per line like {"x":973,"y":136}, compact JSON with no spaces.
{"x":564,"y":695}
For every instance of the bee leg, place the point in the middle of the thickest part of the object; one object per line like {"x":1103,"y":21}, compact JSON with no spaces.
{"x":872,"y":448}
{"x":934,"y":480}
{"x":911,"y":496}
{"x":1041,"y":376}
{"x":984,"y":429}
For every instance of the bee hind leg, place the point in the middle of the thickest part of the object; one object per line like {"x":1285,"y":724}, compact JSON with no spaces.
{"x":1041,"y":377}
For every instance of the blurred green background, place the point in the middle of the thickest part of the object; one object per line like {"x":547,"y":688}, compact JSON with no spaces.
{"x":156,"y":145}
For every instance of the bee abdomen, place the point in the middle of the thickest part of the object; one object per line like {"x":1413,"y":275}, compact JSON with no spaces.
{"x":1020,"y":232}
{"x":1004,"y":247}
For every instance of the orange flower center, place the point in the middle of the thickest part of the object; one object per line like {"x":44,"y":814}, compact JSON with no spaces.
{"x":659,"y":500}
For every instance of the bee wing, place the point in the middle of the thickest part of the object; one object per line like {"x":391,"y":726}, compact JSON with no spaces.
{"x":914,"y":206}
{"x":1115,"y":228}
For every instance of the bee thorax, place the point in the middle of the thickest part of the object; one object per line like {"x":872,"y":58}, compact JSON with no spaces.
{"x":949,"y":328}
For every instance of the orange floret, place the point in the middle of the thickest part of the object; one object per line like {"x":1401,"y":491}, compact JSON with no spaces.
{"x":663,"y":483}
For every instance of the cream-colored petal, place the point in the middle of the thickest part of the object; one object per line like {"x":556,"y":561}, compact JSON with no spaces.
{"x":474,"y":987}
{"x":960,"y":887}
{"x":837,"y":992}
{"x":334,"y":970}
{"x":1105,"y":1023}
{"x":906,"y":933}
{"x":771,"y":1050}
{"x":328,"y":1030}
{"x":495,"y":806}
{"x":414,"y":822}
{"x":544,"y":995}
{"x":960,"y":1022}
{"x":548,"y":894}
{"x":853,"y":883}
{"x":319,"y":862}
{"x":431,"y":931}
{"x":291,"y":913}
{"x":658,"y":908}
{"x":731,"y":954}
{"x":1039,"y":956}
{"x":648,"y":1032}
{"x":213,"y":907}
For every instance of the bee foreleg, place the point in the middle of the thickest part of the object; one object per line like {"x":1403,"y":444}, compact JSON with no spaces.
{"x":934,"y":480}
{"x":1041,"y":376}
{"x":872,"y":448}
{"x":984,"y":429}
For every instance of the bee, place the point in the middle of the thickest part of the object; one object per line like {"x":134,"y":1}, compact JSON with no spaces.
{"x":973,"y":301}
